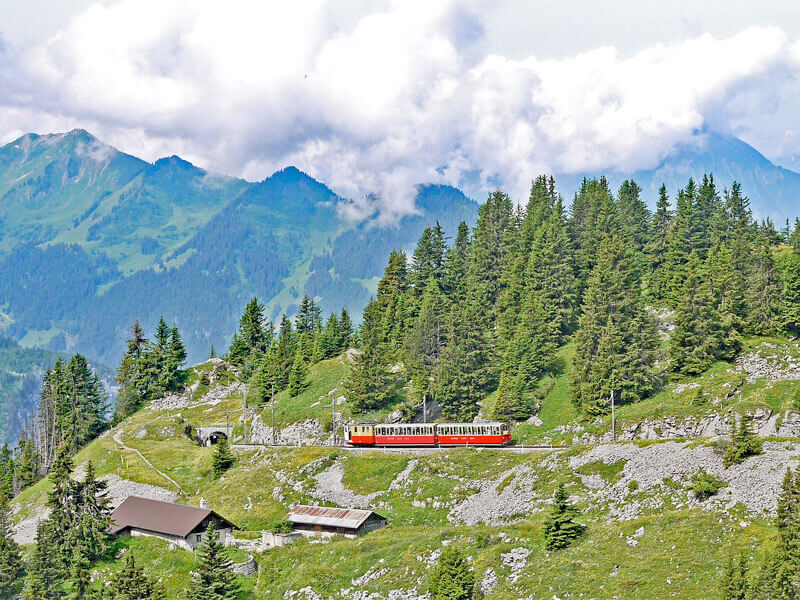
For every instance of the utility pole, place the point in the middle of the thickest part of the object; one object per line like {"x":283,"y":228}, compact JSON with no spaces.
{"x":425,"y":409}
{"x":613,"y":420}
{"x":274,"y":438}
{"x":333,"y":410}
{"x":228,"y":424}
{"x":244,"y":411}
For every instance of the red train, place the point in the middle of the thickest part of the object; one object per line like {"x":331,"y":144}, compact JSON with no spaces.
{"x":430,"y":434}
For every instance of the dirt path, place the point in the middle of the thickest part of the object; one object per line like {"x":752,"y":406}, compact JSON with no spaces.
{"x":122,"y":446}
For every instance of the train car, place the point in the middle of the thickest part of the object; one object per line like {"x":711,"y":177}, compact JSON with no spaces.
{"x":473,"y":434}
{"x":430,"y":434}
{"x":360,"y":434}
{"x":405,"y":434}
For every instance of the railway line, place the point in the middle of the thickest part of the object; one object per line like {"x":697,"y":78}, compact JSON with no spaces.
{"x":422,"y":450}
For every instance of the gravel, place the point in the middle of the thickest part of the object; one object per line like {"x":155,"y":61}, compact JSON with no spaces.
{"x":754,"y":484}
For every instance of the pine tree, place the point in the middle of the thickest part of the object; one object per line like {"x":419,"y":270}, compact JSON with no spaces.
{"x":427,"y":262}
{"x":658,"y":246}
{"x":252,"y":338}
{"x":490,"y":248}
{"x":616,"y":339}
{"x":744,"y":443}
{"x":308,"y":317}
{"x":526,"y":357}
{"x":455,"y":267}
{"x":7,"y":472}
{"x":452,"y":579}
{"x":213,"y":579}
{"x":212,"y":353}
{"x":764,"y":294}
{"x":464,"y":375}
{"x":346,"y":328}
{"x":10,"y":554}
{"x":268,"y":377}
{"x":130,"y":583}
{"x":131,"y":376}
{"x":369,"y":385}
{"x":790,"y":310}
{"x":425,"y":340}
{"x":297,"y":376}
{"x":223,"y":457}
{"x":734,"y":579}
{"x":728,"y":288}
{"x":285,"y":351}
{"x":560,"y":528}
{"x":695,"y":341}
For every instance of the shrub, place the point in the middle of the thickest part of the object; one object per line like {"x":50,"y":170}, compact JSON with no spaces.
{"x":452,"y":579}
{"x":705,"y":485}
{"x":744,"y":443}
{"x":282,"y":526}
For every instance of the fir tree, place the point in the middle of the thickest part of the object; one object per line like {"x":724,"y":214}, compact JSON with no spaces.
{"x":369,"y":384}
{"x":297,"y":376}
{"x":734,"y":579}
{"x":464,"y":376}
{"x":764,"y":299}
{"x":658,"y":246}
{"x":308,"y":317}
{"x":695,"y":341}
{"x":134,"y":384}
{"x":223,"y":457}
{"x":212,"y":353}
{"x":252,"y":338}
{"x":130,"y":583}
{"x":616,"y":340}
{"x":744,"y":443}
{"x":455,"y":267}
{"x":560,"y":528}
{"x":213,"y":579}
{"x":425,"y":340}
{"x":346,"y":328}
{"x":10,"y":554}
{"x":452,"y":579}
{"x":790,"y":309}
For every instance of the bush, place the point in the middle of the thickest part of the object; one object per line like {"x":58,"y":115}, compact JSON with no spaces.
{"x":452,"y":579}
{"x":282,"y":526}
{"x":559,"y":528}
{"x":705,"y":485}
{"x":744,"y":443}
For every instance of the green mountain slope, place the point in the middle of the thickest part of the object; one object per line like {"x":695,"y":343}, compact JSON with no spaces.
{"x":92,"y":239}
{"x":646,"y":530}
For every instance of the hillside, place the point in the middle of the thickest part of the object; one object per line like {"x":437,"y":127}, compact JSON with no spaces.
{"x":774,"y":191}
{"x":646,"y":532}
{"x":93,"y":239}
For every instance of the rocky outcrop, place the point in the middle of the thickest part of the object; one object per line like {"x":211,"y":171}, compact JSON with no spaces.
{"x":765,"y":423}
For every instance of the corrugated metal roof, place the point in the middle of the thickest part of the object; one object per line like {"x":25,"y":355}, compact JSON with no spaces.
{"x":160,"y":517}
{"x":348,"y":518}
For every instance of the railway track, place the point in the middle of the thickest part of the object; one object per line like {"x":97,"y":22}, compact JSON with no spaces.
{"x":517,"y":448}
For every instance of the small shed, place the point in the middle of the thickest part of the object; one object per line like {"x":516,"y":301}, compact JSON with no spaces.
{"x":323,"y":520}
{"x":177,"y":523}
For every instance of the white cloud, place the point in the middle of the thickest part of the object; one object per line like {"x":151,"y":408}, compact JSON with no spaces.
{"x":409,"y":92}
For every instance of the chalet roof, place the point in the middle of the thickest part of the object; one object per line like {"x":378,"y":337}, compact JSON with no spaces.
{"x":160,"y":517}
{"x":348,"y":518}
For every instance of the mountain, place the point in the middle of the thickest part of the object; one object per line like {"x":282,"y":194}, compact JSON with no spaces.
{"x":773,"y":191}
{"x":93,"y":239}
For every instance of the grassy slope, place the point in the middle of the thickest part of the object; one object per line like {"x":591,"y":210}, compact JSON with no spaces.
{"x":679,"y":555}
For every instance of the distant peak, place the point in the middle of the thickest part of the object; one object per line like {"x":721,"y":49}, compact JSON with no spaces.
{"x":173,"y":162}
{"x":80,"y":134}
{"x":291,"y":173}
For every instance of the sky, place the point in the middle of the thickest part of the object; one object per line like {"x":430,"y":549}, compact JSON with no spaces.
{"x":375,"y":96}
